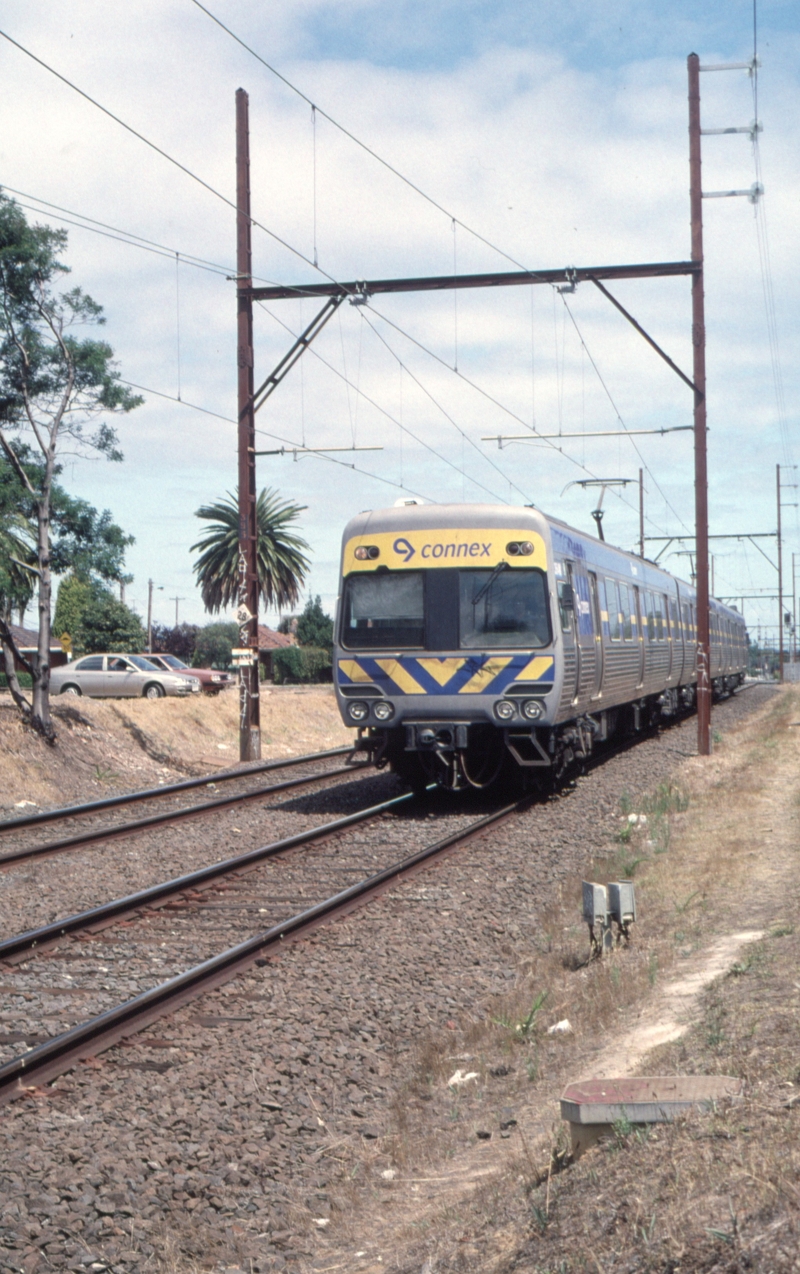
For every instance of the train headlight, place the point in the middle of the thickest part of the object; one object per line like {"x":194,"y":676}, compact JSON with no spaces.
{"x":519,"y":548}
{"x":383,"y":710}
{"x":357,"y":711}
{"x":532,"y":709}
{"x":367,"y":552}
{"x":504,"y":709}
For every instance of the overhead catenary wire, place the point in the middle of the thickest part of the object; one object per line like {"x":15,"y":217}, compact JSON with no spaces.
{"x":382,"y":410}
{"x":464,"y":436}
{"x":206,"y":185}
{"x":456,"y":221}
{"x":617,"y":413}
{"x":288,"y":442}
{"x":164,"y":154}
{"x":535,"y":435}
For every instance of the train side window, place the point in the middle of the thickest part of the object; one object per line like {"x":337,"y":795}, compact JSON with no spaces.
{"x":687,"y":632}
{"x":658,"y":616}
{"x":614,"y":626}
{"x":650,"y":611}
{"x":674,"y":619}
{"x":566,"y":605}
{"x":626,"y":603}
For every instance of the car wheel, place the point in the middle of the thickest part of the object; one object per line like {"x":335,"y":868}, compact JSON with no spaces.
{"x":153,"y":691}
{"x":71,"y":689}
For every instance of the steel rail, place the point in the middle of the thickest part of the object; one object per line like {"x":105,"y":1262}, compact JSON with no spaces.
{"x":55,"y":1056}
{"x":109,"y":802}
{"x":170,"y":816}
{"x":167,"y":889}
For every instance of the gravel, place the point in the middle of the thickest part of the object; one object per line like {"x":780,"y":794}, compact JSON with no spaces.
{"x":215,"y":1135}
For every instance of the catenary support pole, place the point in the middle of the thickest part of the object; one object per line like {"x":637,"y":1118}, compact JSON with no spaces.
{"x":699,"y":378}
{"x":780,"y":578}
{"x":247,"y":612}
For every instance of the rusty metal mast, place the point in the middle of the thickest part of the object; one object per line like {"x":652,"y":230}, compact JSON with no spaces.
{"x":699,"y":378}
{"x":247,"y":612}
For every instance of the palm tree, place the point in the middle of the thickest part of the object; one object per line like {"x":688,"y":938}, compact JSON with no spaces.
{"x":282,"y":564}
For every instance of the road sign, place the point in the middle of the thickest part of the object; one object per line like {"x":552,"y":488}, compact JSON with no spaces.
{"x":66,"y":643}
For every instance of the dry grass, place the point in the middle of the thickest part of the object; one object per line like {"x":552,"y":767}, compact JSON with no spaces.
{"x":107,"y":745}
{"x":697,"y":1196}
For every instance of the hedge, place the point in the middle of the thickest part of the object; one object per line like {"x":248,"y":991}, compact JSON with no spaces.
{"x":294,"y":664}
{"x":24,"y":679}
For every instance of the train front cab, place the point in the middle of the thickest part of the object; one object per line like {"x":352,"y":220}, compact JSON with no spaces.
{"x":446,"y":645}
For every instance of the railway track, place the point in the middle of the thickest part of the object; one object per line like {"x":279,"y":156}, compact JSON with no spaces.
{"x":101,"y":1030}
{"x":208,"y":900}
{"x":95,"y":835}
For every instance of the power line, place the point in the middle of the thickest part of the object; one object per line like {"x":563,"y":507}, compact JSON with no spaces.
{"x":440,"y":408}
{"x":357,"y":141}
{"x":112,"y":232}
{"x":383,"y":410}
{"x":616,"y":411}
{"x":159,"y":151}
{"x":535,"y":435}
{"x":288,"y":442}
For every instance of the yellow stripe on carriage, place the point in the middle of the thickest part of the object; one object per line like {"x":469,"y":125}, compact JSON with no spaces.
{"x":353,"y":670}
{"x":400,"y":676}
{"x":480,"y":682}
{"x":442,"y":670}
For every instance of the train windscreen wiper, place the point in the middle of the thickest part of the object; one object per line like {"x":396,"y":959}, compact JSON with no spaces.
{"x":501,"y":566}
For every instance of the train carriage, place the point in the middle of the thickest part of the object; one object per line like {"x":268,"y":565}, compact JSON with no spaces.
{"x":471,"y":639}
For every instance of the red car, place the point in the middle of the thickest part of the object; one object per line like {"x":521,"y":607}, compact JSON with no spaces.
{"x":210,"y":679}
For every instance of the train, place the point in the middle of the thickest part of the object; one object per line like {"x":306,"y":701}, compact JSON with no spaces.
{"x":478,"y":643}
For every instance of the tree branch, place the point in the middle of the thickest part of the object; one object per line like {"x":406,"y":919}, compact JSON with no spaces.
{"x":17,"y":466}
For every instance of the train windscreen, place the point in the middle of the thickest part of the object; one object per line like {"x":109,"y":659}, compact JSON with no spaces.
{"x":384,"y":610}
{"x":506,"y":608}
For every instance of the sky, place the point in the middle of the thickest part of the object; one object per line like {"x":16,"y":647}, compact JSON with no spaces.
{"x":536,"y":135}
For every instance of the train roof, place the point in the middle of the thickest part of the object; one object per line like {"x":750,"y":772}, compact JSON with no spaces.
{"x":565,"y":539}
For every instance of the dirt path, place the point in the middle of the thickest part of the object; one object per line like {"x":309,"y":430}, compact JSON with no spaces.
{"x":725,"y":875}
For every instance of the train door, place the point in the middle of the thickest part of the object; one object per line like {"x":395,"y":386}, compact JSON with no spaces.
{"x":597,"y":620}
{"x":567,"y":604}
{"x":584,"y":623}
{"x":637,"y":602}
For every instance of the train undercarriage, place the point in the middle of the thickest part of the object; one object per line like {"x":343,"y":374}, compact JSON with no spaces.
{"x":462,"y":755}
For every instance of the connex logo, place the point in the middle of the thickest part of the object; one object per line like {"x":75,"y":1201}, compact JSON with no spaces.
{"x":405,"y":549}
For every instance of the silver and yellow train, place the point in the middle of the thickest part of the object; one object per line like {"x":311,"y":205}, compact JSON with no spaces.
{"x":473,"y":640}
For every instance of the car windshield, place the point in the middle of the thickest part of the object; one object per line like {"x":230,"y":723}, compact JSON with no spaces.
{"x":144,"y":665}
{"x":507,"y":608}
{"x":384,"y":610}
{"x":172,"y":661}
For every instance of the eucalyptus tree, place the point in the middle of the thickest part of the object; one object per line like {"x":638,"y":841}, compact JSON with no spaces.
{"x":282,"y":563}
{"x":56,"y":388}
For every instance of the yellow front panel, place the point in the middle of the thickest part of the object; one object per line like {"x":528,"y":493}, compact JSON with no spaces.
{"x":456,"y":546}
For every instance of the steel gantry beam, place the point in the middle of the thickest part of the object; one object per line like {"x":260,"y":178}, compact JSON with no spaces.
{"x":360,"y":289}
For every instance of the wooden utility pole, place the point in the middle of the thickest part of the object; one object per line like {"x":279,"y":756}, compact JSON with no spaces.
{"x":780,"y":579}
{"x":699,"y":378}
{"x":247,"y":612}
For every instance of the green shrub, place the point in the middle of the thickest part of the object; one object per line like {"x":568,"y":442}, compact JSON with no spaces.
{"x":24,"y":679}
{"x":295,"y":664}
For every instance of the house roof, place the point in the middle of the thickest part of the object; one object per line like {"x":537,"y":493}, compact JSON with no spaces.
{"x":268,"y":639}
{"x":28,"y":638}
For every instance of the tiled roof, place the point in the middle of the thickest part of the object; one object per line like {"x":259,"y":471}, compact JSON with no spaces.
{"x":268,"y":639}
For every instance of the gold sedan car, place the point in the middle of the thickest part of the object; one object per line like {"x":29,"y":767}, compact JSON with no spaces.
{"x":119,"y":677}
